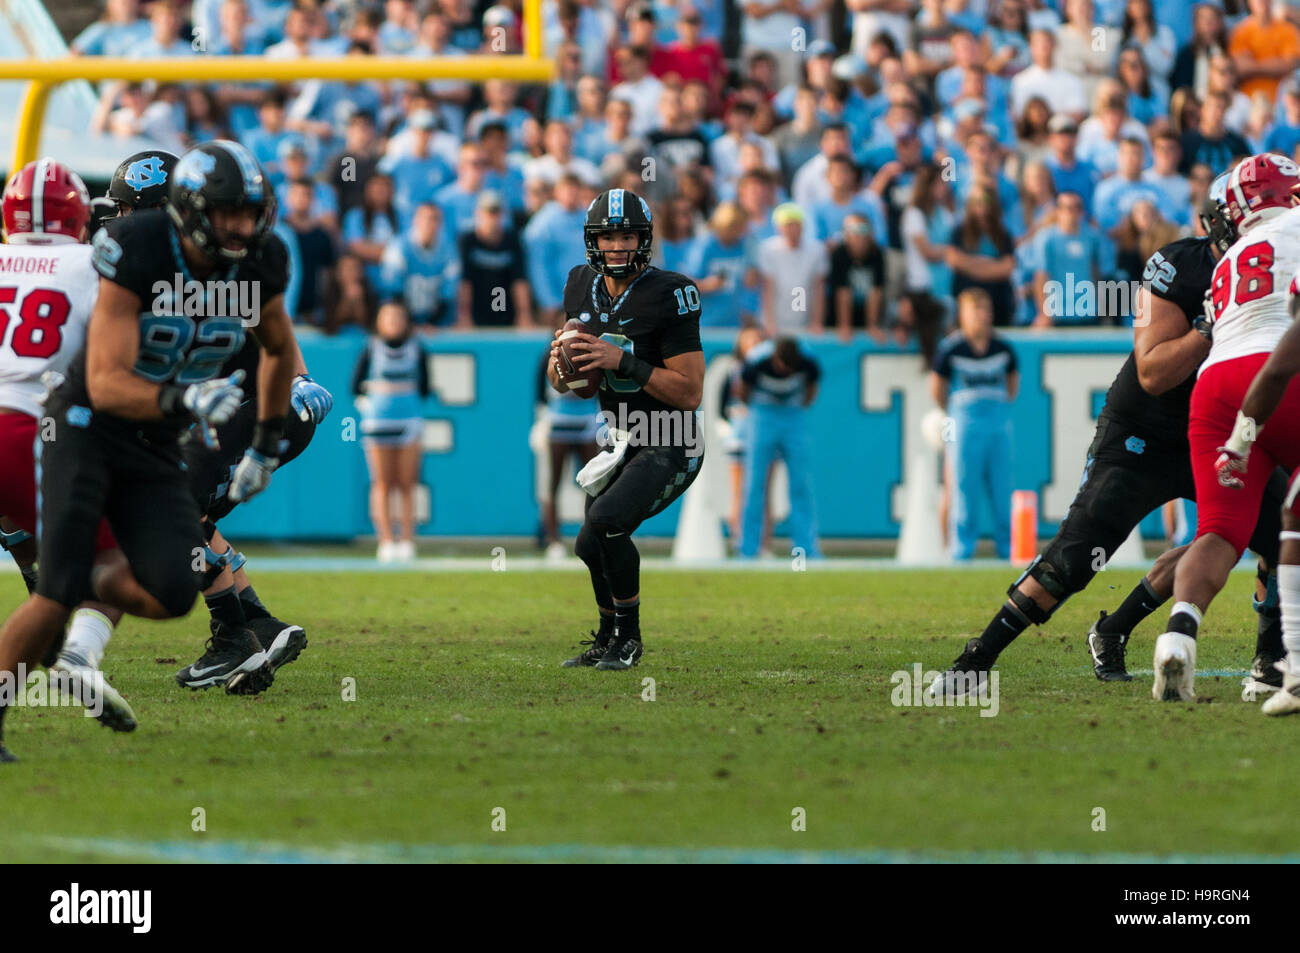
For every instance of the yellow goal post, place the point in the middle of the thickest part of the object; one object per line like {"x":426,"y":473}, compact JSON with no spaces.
{"x":43,"y":75}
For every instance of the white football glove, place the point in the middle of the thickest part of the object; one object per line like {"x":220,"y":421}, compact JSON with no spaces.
{"x":216,"y":401}
{"x":252,"y":476}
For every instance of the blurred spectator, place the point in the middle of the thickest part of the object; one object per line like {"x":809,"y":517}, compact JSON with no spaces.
{"x":265,"y":138}
{"x":554,"y":243}
{"x":125,"y":110}
{"x":1142,"y":231}
{"x":930,"y":51}
{"x":723,"y":265}
{"x":450,"y":96}
{"x":421,"y":267}
{"x":558,"y":158}
{"x":392,"y":374}
{"x":397,"y":31}
{"x":500,"y":172}
{"x":675,"y":143}
{"x":1148,"y":97}
{"x":322,"y":107}
{"x":1069,"y":172}
{"x":458,"y":198}
{"x":297,"y":31}
{"x":1031,"y":135}
{"x":975,"y":378}
{"x":768,"y":27}
{"x":779,"y":382}
{"x":1071,"y":257}
{"x":1266,"y":48}
{"x":856,"y":283}
{"x":925,"y":228}
{"x":1184,"y":111}
{"x":1062,"y":90}
{"x":694,"y":55}
{"x":1222,"y":78}
{"x":562,"y":92}
{"x":1211,"y":143}
{"x":311,"y":254}
{"x":725,"y":150}
{"x":1115,"y":196}
{"x":755,"y":194}
{"x":1163,"y":174}
{"x":117,"y":33}
{"x":369,"y":227}
{"x":1085,"y":48}
{"x":638,"y":87}
{"x":810,"y":182}
{"x":348,"y":170}
{"x":293,"y":159}
{"x":846,"y":198}
{"x":798,"y":141}
{"x":981,"y":254}
{"x":1008,"y":38}
{"x":351,"y":302}
{"x":793,"y":265}
{"x":984,"y":170}
{"x":1100,"y":133}
{"x":418,"y":173}
{"x":1038,"y":198}
{"x":1155,"y":44}
{"x":895,"y":182}
{"x":1209,"y":39}
{"x":500,"y":99}
{"x":205,"y":118}
{"x":164,"y":38}
{"x":695,"y":103}
{"x":675,"y":234}
{"x":493,"y":276}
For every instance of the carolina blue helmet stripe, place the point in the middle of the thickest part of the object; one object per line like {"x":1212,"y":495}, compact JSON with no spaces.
{"x":616,"y":203}
{"x":248,"y":168}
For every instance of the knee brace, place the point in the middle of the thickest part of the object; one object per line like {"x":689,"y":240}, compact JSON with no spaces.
{"x":1047,"y":576}
{"x":219,"y":561}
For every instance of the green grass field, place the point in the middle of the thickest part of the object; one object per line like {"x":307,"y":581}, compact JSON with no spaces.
{"x":772,"y":692}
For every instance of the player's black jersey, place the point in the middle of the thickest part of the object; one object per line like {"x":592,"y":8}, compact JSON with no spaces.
{"x":1179,"y":272}
{"x":656,"y":318}
{"x":190,"y":327}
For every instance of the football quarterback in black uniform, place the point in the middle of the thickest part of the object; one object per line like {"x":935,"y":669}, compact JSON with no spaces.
{"x":1138,"y":460}
{"x":645,"y":334}
{"x":146,"y":374}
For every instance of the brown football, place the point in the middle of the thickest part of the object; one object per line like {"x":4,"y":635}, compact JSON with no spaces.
{"x":582,"y":383}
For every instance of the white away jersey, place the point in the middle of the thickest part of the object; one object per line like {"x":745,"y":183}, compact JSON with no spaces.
{"x":1249,"y":292}
{"x":46,"y":295}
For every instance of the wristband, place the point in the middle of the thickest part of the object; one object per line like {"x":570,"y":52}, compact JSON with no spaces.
{"x":267,"y":435}
{"x":629,"y":365}
{"x":1244,"y":433}
{"x":170,"y":400}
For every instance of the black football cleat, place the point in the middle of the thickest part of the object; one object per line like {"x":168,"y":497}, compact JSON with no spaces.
{"x":599,"y":642}
{"x":1107,"y":654}
{"x":281,"y":641}
{"x":6,"y":756}
{"x":624,"y":651}
{"x":233,"y":658}
{"x":1264,"y":678}
{"x":968,"y":674}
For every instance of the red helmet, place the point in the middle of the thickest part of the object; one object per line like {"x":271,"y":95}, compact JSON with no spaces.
{"x":1261,"y":187}
{"x":45,"y":202}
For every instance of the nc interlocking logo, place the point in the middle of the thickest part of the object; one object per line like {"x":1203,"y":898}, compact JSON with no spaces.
{"x":144,"y":173}
{"x":103,"y":907}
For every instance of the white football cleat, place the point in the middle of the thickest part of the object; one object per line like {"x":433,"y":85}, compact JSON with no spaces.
{"x":1175,"y":665}
{"x":387,"y":553}
{"x":1285,"y":701}
{"x":89,"y":685}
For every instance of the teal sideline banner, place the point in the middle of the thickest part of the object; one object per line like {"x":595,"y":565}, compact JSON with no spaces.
{"x":480,"y":475}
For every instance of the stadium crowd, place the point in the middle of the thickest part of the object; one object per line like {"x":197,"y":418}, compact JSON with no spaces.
{"x":838,"y":166}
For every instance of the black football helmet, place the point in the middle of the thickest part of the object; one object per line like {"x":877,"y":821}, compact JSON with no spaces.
{"x":218,"y":174}
{"x":1214,"y":215}
{"x":142,"y":181}
{"x":618,"y":210}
